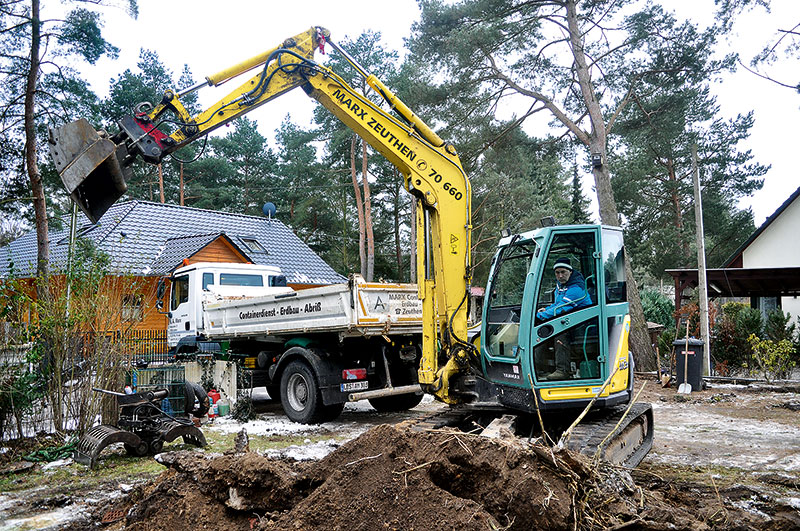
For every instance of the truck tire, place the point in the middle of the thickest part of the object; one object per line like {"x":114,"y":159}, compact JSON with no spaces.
{"x":332,"y":412}
{"x":274,"y":391}
{"x":300,"y":395}
{"x":388,"y":404}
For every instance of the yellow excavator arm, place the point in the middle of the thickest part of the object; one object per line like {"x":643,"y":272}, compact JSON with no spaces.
{"x":431,"y":168}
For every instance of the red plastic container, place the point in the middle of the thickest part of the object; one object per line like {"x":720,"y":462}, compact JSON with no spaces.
{"x":214,"y":396}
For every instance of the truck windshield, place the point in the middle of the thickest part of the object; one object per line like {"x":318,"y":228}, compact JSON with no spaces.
{"x":180,"y":291}
{"x":240,"y":279}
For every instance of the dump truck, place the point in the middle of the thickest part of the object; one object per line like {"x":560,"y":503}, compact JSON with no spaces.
{"x":313,"y":349}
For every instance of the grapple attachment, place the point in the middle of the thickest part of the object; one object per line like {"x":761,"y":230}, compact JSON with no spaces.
{"x":99,"y":437}
{"x":171,"y":430}
{"x":143,"y":428}
{"x":90,"y":165}
{"x":96,"y":439}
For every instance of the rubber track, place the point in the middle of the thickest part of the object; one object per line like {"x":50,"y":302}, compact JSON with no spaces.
{"x":450,"y":417}
{"x":589,"y":434}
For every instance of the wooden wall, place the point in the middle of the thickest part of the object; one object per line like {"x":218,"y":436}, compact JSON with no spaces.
{"x":218,"y":251}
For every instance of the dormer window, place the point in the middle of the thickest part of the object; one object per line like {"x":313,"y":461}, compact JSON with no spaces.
{"x":253,"y":245}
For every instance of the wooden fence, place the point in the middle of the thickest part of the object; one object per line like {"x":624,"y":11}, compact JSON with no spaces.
{"x":148,"y":346}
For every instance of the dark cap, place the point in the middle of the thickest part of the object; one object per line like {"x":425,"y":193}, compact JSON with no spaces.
{"x":562,"y":263}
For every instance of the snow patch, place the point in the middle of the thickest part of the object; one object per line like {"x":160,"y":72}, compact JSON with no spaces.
{"x":57,"y":464}
{"x":305,"y":452}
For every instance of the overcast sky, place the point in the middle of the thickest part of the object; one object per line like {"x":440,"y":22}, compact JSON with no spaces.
{"x":211,"y":35}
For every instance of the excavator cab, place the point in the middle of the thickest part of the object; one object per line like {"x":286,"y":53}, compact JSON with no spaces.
{"x":565,"y":337}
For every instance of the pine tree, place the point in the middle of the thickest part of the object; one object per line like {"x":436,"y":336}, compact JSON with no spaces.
{"x":579,"y":205}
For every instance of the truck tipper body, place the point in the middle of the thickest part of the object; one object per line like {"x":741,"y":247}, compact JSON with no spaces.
{"x":314,"y":349}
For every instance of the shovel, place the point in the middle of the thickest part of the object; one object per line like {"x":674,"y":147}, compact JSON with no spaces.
{"x":686,"y":388}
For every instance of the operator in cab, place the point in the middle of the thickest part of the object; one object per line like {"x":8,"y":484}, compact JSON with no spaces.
{"x":570,"y":294}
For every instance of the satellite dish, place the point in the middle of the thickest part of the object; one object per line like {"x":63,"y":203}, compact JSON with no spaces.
{"x":269,"y":210}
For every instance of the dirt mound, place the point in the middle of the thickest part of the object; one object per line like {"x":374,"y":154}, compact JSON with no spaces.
{"x":395,"y":478}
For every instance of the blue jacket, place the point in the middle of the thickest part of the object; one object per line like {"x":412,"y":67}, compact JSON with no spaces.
{"x":568,"y":297}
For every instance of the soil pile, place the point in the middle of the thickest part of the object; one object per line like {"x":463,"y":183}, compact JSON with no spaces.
{"x":395,"y":478}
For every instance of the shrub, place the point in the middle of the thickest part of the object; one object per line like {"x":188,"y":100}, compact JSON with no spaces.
{"x":730,"y":347}
{"x":772,"y":358}
{"x":77,"y":333}
{"x":658,"y":308}
{"x":778,"y":326}
{"x":749,"y":321}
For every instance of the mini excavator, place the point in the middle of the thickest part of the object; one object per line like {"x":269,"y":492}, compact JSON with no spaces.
{"x":522,"y":361}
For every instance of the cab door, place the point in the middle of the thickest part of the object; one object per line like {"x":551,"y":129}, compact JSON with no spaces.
{"x":180,"y":310}
{"x":507,"y":314}
{"x":568,"y":329}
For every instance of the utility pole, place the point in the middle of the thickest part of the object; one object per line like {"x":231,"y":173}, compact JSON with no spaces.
{"x":701,"y":266}
{"x":161,"y":182}
{"x":181,"y":200}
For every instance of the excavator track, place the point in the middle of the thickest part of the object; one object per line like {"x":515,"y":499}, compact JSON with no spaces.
{"x":628,"y":444}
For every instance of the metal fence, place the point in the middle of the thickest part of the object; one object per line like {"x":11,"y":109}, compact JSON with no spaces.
{"x":170,"y":377}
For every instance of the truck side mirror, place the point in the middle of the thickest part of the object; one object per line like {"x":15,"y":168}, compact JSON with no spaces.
{"x":161,"y":288}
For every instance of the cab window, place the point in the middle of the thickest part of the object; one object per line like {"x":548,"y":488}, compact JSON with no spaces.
{"x":614,"y":266}
{"x":505,"y":299}
{"x":208,"y":280}
{"x":180,"y":291}
{"x":576,"y":253}
{"x":240,"y":279}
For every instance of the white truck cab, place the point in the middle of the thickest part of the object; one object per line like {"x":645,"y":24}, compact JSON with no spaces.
{"x":193,"y":284}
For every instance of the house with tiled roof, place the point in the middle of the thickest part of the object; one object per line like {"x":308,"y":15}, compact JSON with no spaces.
{"x":148,"y":240}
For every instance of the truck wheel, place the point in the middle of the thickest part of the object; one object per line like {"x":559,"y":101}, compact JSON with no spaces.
{"x":388,"y":404}
{"x":274,"y":391}
{"x":332,"y":412}
{"x":300,"y":395}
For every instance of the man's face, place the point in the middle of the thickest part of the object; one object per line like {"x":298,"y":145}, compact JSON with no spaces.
{"x":562,"y":275}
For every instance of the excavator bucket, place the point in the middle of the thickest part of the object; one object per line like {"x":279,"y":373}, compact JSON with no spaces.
{"x":90,"y":166}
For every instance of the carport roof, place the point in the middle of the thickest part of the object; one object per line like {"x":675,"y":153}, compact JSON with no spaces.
{"x":742,"y":282}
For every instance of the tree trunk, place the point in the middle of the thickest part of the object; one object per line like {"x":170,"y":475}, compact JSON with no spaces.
{"x":639,"y":341}
{"x":676,"y":205}
{"x":161,"y":182}
{"x":37,"y":189}
{"x":181,"y":190}
{"x":368,"y":216}
{"x":362,"y":250}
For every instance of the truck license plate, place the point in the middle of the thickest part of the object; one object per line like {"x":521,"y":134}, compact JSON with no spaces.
{"x":355,"y":386}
